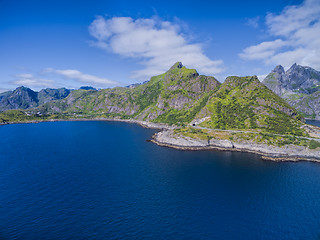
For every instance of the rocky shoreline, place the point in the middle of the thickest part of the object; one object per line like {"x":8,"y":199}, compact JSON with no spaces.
{"x":167,"y":138}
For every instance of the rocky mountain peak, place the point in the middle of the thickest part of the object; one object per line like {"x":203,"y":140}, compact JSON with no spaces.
{"x":279,"y":69}
{"x":295,"y":68}
{"x":296,"y":79}
{"x":299,"y":85}
{"x":295,"y":65}
{"x":178,"y":65}
{"x":180,"y":71}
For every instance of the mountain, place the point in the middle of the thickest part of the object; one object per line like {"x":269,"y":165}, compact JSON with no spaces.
{"x":181,"y":97}
{"x":21,"y":97}
{"x":299,"y":86}
{"x":50,"y":94}
{"x":245,"y":103}
{"x":168,"y":97}
{"x":25,"y":98}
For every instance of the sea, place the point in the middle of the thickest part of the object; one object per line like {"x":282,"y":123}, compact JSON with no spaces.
{"x":105,"y":180}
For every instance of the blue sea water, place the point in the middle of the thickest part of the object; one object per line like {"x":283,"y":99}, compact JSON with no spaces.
{"x":103,"y":180}
{"x":313,"y":122}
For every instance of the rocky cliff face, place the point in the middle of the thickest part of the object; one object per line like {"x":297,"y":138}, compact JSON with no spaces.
{"x":24,"y":98}
{"x":299,"y":86}
{"x":275,"y":80}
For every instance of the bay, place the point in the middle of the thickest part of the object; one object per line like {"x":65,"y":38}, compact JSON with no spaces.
{"x":103,"y":180}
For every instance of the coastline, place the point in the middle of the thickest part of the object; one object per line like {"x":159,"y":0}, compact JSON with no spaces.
{"x":291,"y":153}
{"x":166,"y":138}
{"x":144,"y":124}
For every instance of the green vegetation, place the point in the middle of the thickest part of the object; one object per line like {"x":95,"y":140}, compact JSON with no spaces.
{"x":24,"y":116}
{"x":179,"y":97}
{"x":245,"y":103}
{"x":179,"y":117}
{"x":314,"y":144}
{"x":256,"y":137}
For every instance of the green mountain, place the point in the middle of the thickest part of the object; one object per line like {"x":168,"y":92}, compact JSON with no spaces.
{"x":181,"y":97}
{"x":173,"y":97}
{"x":245,"y":103}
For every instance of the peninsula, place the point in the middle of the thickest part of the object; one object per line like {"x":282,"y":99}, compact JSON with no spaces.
{"x":193,"y":112}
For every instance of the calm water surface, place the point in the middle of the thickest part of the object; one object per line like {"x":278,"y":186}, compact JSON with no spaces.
{"x":313,"y":122}
{"x":103,"y":180}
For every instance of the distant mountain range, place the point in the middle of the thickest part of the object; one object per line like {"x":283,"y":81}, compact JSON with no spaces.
{"x":299,"y":86}
{"x":179,"y":96}
{"x":24,"y":98}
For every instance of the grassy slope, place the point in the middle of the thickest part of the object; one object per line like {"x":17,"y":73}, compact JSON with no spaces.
{"x":245,"y":103}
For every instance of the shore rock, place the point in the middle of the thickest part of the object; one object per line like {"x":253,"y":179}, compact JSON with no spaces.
{"x":288,"y":152}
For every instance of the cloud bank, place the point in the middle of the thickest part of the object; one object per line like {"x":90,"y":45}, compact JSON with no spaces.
{"x":82,"y":77}
{"x":296,"y":37}
{"x":29,"y":80}
{"x":38,"y":81}
{"x":156,"y":44}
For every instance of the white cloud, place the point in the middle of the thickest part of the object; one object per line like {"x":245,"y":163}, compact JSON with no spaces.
{"x":263,"y":50}
{"x":29,"y":80}
{"x":296,"y":33}
{"x":24,"y":75}
{"x":82,"y":77}
{"x":155,"y":43}
{"x":39,"y":80}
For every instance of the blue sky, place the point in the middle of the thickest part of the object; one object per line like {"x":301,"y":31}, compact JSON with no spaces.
{"x":116,"y":43}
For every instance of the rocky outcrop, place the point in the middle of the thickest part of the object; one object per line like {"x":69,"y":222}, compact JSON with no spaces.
{"x":297,"y":79}
{"x":299,"y":86}
{"x":288,"y":152}
{"x":275,"y":80}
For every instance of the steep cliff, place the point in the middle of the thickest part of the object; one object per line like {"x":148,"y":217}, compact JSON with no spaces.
{"x":299,"y":86}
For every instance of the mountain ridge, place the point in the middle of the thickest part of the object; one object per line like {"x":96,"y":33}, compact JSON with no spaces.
{"x":299,"y":86}
{"x":182,"y":96}
{"x":25,"y":98}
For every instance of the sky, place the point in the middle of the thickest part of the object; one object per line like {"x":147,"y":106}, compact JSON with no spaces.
{"x":53,"y":43}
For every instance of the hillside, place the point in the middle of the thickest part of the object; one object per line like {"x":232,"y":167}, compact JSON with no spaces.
{"x":173,"y":97}
{"x":299,"y":86}
{"x":245,"y":103}
{"x":180,"y":96}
